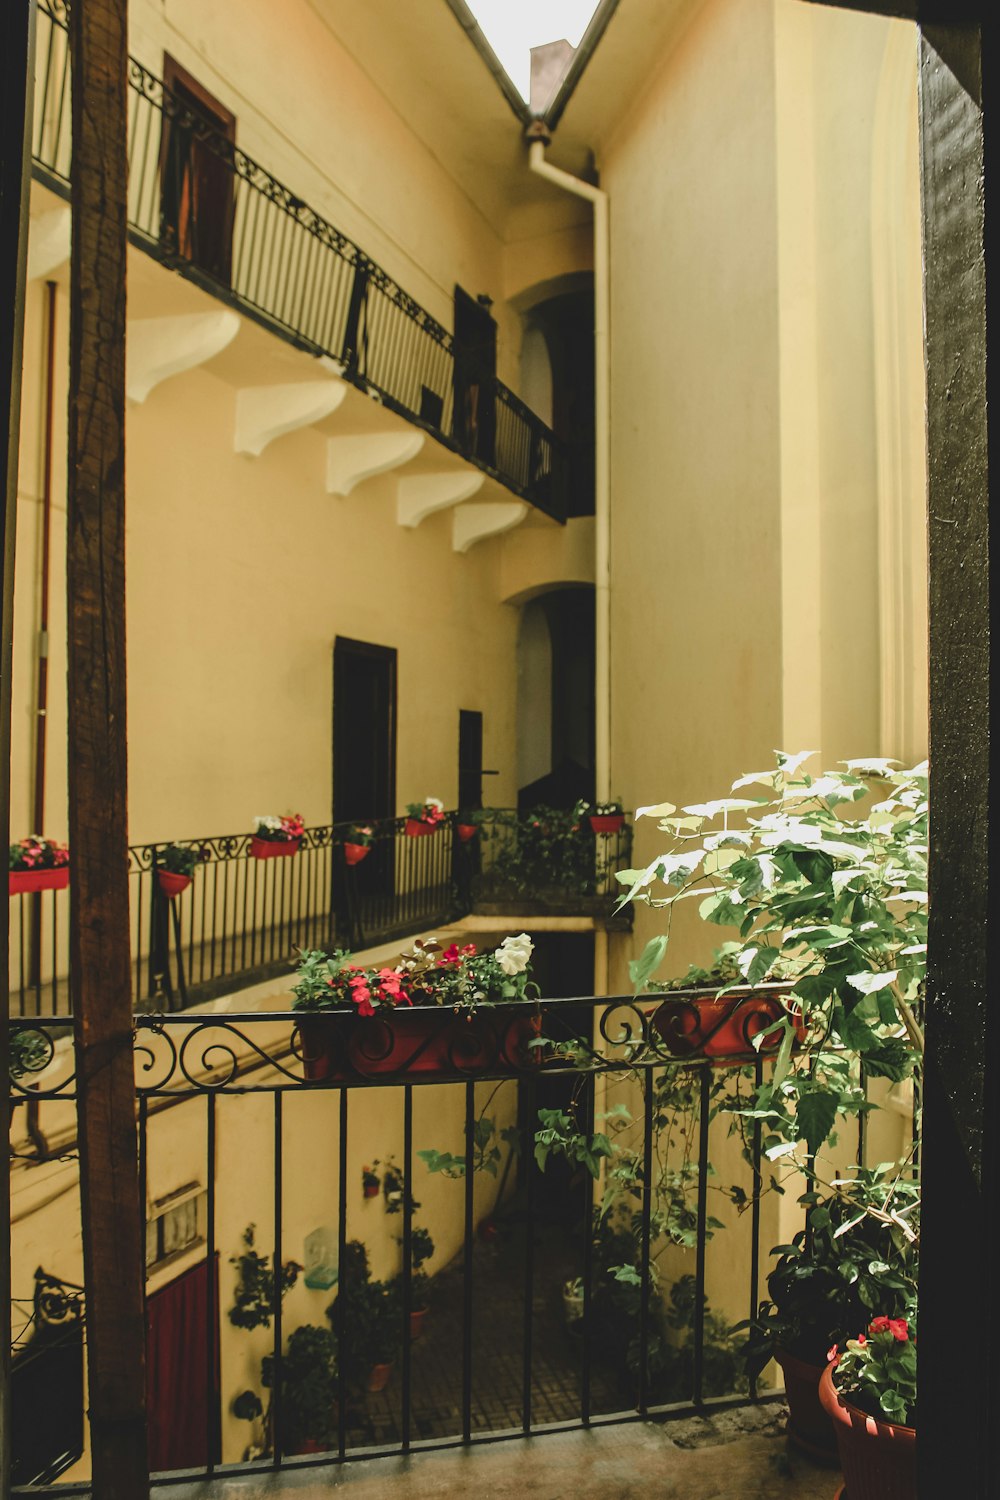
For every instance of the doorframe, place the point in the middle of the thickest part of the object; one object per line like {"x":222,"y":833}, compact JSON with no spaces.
{"x":381,"y":653}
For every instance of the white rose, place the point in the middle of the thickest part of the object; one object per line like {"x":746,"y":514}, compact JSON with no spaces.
{"x":514,"y":954}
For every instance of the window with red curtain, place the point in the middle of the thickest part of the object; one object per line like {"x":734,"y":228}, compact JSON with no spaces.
{"x":183,"y":1400}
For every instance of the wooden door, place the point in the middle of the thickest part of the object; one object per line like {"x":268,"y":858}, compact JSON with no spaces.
{"x":196,"y":176}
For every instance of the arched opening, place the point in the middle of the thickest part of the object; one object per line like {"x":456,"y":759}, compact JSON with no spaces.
{"x":557,"y":373}
{"x":555,"y":698}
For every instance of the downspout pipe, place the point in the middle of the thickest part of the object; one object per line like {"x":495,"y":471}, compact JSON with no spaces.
{"x":538,"y":138}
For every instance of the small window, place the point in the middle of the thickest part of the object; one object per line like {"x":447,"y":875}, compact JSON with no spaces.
{"x":175,"y":1225}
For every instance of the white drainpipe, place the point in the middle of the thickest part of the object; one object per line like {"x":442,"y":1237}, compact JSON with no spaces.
{"x":602,"y":459}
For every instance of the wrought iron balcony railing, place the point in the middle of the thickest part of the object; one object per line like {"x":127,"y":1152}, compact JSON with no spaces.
{"x":243,"y":918}
{"x":548,"y":1305}
{"x":249,"y":240}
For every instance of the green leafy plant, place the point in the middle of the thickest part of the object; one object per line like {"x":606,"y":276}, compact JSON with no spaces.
{"x":546,"y":850}
{"x":827,"y":877}
{"x":257,"y":1287}
{"x":857,"y":1253}
{"x":366,"y":1315}
{"x":308,"y":1405}
{"x":486,"y":1152}
{"x":360,"y":833}
{"x":877,"y":1371}
{"x":180,"y":859}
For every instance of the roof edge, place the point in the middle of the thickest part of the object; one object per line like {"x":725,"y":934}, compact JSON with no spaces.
{"x":596,"y":28}
{"x":465,"y":18}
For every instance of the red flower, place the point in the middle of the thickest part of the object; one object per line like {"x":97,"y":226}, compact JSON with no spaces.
{"x":898,"y":1327}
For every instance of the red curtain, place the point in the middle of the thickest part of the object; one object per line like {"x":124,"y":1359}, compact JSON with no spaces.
{"x":182,"y":1407}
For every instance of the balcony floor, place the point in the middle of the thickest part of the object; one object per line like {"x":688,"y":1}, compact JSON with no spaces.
{"x":697,"y":1459}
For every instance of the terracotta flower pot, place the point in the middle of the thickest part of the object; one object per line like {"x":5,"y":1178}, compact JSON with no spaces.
{"x":273,"y":848}
{"x":723,"y":1030}
{"x":20,"y":882}
{"x":418,"y":1317}
{"x":466,"y":831}
{"x":171,"y":883}
{"x":355,"y":853}
{"x":808,"y":1424}
{"x":379,"y":1377}
{"x":878,"y":1459}
{"x":417,"y":829}
{"x":607,"y":822}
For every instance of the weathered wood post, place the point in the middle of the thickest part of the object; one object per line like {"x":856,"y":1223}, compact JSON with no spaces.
{"x":17,"y":26}
{"x":98,"y":835}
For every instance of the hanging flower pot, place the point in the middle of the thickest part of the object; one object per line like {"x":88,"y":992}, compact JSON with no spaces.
{"x":355,"y":853}
{"x":421,"y":1042}
{"x":607,"y":822}
{"x":417,"y":829}
{"x":466,"y":831}
{"x":273,"y":848}
{"x":424,"y":817}
{"x":21,"y":882}
{"x":171,"y":884}
{"x":878,"y":1458}
{"x":724,"y":1029}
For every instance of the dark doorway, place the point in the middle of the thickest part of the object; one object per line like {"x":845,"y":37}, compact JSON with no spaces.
{"x":475,"y":346}
{"x":47,"y":1403}
{"x":470,"y":758}
{"x":567,"y":325}
{"x":196,"y":184}
{"x":183,"y":1429}
{"x":364,"y":731}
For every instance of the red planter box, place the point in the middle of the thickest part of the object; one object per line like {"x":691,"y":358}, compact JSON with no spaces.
{"x":273,"y":848}
{"x":171,"y":884}
{"x":338,"y":1046}
{"x":702,"y":1026}
{"x":415,"y":829}
{"x":20,"y":882}
{"x":877,"y":1458}
{"x":609,"y":823}
{"x":467,"y":831}
{"x":355,"y":853}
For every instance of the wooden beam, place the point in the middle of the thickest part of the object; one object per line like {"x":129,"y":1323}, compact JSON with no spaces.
{"x":17,"y":28}
{"x":99,"y":902}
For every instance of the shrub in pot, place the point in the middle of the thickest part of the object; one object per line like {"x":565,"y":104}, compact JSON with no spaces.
{"x":275,"y":837}
{"x":366,"y":1316}
{"x":424,"y":817}
{"x":857,"y":1251}
{"x":357,"y":842}
{"x":307,"y":1420}
{"x":37,"y":864}
{"x":175,"y":867}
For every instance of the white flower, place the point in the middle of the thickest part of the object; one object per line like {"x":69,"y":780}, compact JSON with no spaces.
{"x":267,"y":822}
{"x":434,"y":802}
{"x":514,"y":954}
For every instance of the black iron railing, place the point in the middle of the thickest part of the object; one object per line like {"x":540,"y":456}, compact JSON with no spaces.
{"x":242,"y":919}
{"x":204,"y":207}
{"x":556,"y":1299}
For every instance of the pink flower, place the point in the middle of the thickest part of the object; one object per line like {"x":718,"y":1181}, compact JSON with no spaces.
{"x":831,"y":1354}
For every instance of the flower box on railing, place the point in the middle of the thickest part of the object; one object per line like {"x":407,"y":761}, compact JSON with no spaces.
{"x":420,"y":1042}
{"x":172,"y":883}
{"x":23,"y":882}
{"x":607,"y":822}
{"x":723,"y":1029}
{"x":273,"y":848}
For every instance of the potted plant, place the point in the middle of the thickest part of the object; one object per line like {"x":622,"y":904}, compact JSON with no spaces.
{"x":827,"y":877}
{"x":307,"y":1420}
{"x":275,"y":838}
{"x":438,"y":1011}
{"x":370,"y":1181}
{"x":175,"y":866}
{"x":424,"y":817}
{"x":869,"y":1390}
{"x":37,"y":864}
{"x":357,"y":842}
{"x":467,"y":821}
{"x":604,"y":817}
{"x":256,"y":1295}
{"x":858,"y":1250}
{"x":366,"y":1317}
{"x":421,"y":1250}
{"x":730,"y":1030}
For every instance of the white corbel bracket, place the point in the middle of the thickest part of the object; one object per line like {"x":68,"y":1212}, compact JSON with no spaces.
{"x":266,"y":412}
{"x":474,"y":523}
{"x":157,"y":348}
{"x":48,"y":243}
{"x":421,"y":495}
{"x":354,"y":457}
